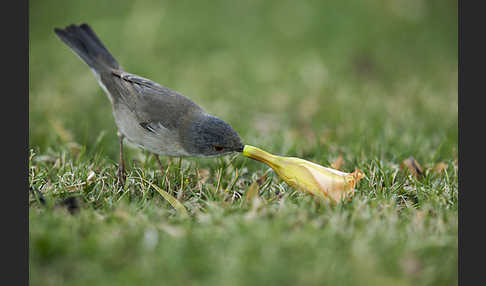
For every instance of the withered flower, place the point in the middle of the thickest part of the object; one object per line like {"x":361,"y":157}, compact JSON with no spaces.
{"x":320,"y":181}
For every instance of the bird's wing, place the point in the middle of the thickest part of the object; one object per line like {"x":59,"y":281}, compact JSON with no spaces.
{"x":141,"y":81}
{"x":154,"y":105}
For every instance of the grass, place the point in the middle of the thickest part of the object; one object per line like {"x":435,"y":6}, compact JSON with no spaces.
{"x":372,"y":82}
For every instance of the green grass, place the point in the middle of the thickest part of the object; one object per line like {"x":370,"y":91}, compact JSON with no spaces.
{"x":374,"y":82}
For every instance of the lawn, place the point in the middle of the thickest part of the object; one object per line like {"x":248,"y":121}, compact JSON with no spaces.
{"x":368,"y":83}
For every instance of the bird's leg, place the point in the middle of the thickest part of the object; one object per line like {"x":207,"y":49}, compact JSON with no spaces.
{"x":121,"y":164}
{"x":160,"y":163}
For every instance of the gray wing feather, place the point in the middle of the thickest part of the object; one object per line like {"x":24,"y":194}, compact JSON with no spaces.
{"x":152,"y":103}
{"x":141,"y":81}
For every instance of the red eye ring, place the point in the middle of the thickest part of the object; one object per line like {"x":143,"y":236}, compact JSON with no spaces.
{"x":218,"y":148}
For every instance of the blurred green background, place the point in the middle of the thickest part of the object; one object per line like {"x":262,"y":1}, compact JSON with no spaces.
{"x":274,"y":70}
{"x":372,"y":81}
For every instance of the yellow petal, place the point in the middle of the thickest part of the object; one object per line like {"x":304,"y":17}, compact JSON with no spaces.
{"x":304,"y":175}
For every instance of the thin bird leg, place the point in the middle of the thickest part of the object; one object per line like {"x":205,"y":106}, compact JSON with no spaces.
{"x":160,"y":163}
{"x":121,"y":164}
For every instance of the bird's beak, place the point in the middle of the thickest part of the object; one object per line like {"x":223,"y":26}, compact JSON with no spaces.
{"x":240,"y":149}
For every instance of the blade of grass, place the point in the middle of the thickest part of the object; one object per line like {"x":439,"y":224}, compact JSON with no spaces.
{"x":172,"y":201}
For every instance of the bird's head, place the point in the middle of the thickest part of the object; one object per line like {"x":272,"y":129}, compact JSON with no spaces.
{"x":210,"y":136}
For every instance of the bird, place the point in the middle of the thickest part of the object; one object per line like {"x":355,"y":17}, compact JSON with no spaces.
{"x":147,"y":114}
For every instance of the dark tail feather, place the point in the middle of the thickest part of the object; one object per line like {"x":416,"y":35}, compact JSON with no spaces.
{"x":84,"y":42}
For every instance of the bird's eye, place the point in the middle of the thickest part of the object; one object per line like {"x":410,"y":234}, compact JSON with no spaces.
{"x":218,"y":148}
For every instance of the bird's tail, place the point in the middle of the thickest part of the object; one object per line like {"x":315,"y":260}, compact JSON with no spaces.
{"x":84,"y":42}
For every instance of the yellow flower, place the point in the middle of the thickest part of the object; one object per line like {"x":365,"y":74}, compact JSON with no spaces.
{"x":320,"y":181}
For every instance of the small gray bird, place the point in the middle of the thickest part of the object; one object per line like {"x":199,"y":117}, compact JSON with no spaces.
{"x":149,"y":115}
